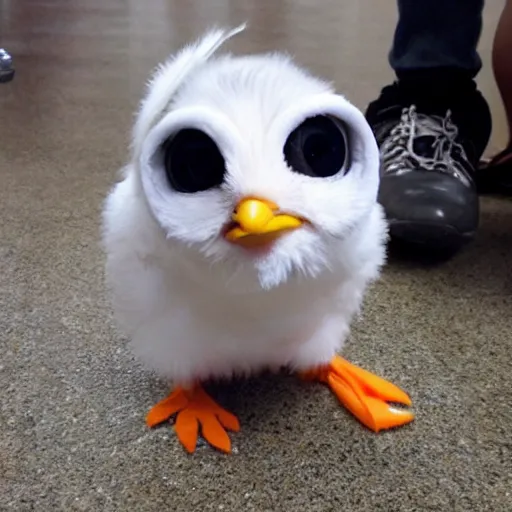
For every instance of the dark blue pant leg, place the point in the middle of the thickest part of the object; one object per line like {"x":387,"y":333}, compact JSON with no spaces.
{"x":433,"y":34}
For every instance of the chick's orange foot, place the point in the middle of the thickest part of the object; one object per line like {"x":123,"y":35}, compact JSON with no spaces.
{"x":364,"y":394}
{"x":193,"y":408}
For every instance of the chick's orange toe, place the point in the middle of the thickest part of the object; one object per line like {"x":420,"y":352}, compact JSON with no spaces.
{"x":364,"y":394}
{"x":194,"y":408}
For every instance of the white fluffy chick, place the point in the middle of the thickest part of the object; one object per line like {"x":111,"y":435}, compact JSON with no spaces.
{"x":244,"y":233}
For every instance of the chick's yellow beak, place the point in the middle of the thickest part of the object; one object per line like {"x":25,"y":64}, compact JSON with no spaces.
{"x":257,"y":222}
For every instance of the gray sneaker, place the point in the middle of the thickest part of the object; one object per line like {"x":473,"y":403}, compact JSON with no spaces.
{"x":427,"y":175}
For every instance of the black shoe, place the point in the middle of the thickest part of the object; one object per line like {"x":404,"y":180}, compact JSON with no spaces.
{"x":6,"y":69}
{"x":431,"y":136}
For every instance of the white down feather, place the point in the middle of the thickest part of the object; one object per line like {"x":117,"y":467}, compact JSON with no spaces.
{"x":197,"y":307}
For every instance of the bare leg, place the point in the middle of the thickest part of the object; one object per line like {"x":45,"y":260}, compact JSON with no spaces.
{"x":502,"y":63}
{"x":496,"y":176}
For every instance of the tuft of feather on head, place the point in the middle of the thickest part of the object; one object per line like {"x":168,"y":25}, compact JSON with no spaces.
{"x":170,"y":75}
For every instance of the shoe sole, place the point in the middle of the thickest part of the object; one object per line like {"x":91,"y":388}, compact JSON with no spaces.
{"x":429,"y":238}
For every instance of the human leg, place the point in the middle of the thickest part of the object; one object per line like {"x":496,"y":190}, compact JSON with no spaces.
{"x":496,"y":177}
{"x":432,"y":125}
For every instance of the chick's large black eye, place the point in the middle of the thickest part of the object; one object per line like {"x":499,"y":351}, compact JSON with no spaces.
{"x":317,"y":147}
{"x":193,"y":162}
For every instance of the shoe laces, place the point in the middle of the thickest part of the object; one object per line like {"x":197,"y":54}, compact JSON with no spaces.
{"x":440,"y":150}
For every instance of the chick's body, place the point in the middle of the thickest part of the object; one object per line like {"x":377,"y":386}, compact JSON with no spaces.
{"x":196,"y":303}
{"x":188,"y":323}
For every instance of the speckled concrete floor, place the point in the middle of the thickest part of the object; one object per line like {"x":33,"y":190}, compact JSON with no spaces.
{"x":73,"y":400}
